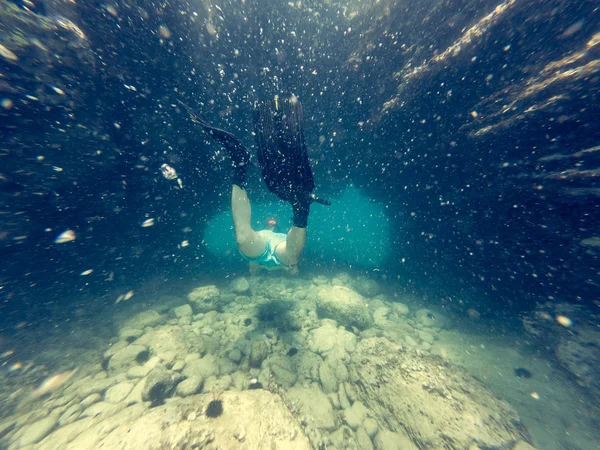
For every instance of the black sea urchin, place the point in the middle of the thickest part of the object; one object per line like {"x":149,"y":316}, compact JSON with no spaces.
{"x":214,"y":409}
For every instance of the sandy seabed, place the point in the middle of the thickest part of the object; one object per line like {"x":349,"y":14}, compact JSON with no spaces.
{"x":270,"y":362}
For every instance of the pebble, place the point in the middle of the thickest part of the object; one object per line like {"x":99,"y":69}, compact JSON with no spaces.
{"x":90,"y":400}
{"x":34,"y":433}
{"x":118,"y":392}
{"x":235,"y":355}
{"x":189,"y":386}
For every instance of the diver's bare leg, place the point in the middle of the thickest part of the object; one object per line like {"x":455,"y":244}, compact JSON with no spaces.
{"x":249,"y":241}
{"x":289,"y":253}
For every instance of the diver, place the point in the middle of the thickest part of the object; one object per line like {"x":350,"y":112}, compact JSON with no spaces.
{"x":283,"y":159}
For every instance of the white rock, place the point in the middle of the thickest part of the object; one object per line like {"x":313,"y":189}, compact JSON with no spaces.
{"x":326,"y":337}
{"x":314,"y":405}
{"x":144,"y":319}
{"x":380,"y":316}
{"x":90,"y":400}
{"x":152,"y":362}
{"x":371,"y":427}
{"x":192,"y":357}
{"x":282,"y":370}
{"x":235,"y":355}
{"x":202,"y":368}
{"x":334,"y":399}
{"x":355,"y":415}
{"x":327,"y":378}
{"x":185,"y":321}
{"x":388,"y":440}
{"x":34,"y":433}
{"x":343,"y":305}
{"x":214,"y":384}
{"x":130,"y":334}
{"x":400,"y":308}
{"x":363,"y":440}
{"x":118,"y":393}
{"x":101,"y":408}
{"x":114,"y":348}
{"x":127,"y":357}
{"x":240,"y":285}
{"x":138,"y":372}
{"x":189,"y":386}
{"x":344,"y":402}
{"x":135,"y":396}
{"x":182,"y":311}
{"x":425,"y":336}
{"x":70,"y":415}
{"x":178,"y":366}
{"x":428,"y":318}
{"x":204,"y":298}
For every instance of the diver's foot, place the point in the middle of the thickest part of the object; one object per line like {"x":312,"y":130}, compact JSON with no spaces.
{"x":301,"y":207}
{"x":240,"y":175}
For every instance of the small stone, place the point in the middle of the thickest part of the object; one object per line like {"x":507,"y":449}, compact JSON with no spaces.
{"x":341,"y":373}
{"x":240,"y":285}
{"x":202,"y":368}
{"x":328,"y":336}
{"x":343,"y":305}
{"x":425,"y":336}
{"x":334,"y":399}
{"x":214,"y":384}
{"x":118,"y":392}
{"x":100,"y":408}
{"x":191,"y":357}
{"x":204,"y":299}
{"x":189,"y":386}
{"x":283,"y":373}
{"x":184,"y":321}
{"x":152,"y":362}
{"x":160,"y":384}
{"x":138,"y":372}
{"x":135,"y":396}
{"x":240,"y":433}
{"x":522,"y":445}
{"x":178,"y":366}
{"x":130,"y":334}
{"x":127,"y":357}
{"x":182,"y":311}
{"x":235,"y":355}
{"x":34,"y":433}
{"x":114,"y":348}
{"x":70,"y":415}
{"x":144,"y":319}
{"x":90,"y":400}
{"x":371,"y":427}
{"x":226,"y":366}
{"x":314,"y":403}
{"x":327,"y":378}
{"x":363,"y":440}
{"x":400,"y":308}
{"x":258,"y":353}
{"x":351,"y":392}
{"x":340,"y":437}
{"x":344,"y":402}
{"x":388,"y":440}
{"x":355,"y":415}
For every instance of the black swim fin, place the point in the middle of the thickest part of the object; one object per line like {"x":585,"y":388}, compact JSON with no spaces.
{"x":282,"y":152}
{"x":240,"y":155}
